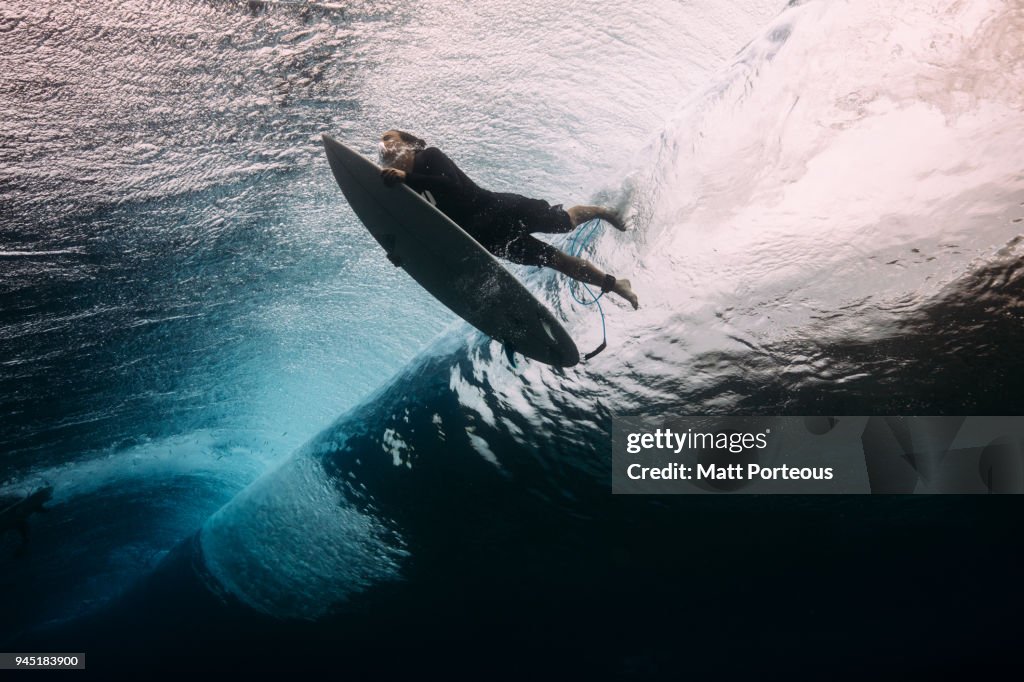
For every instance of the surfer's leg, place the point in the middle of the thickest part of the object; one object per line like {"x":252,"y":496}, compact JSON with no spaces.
{"x":537,"y":215}
{"x":581,"y":214}
{"x":587,"y":272}
{"x":528,"y":250}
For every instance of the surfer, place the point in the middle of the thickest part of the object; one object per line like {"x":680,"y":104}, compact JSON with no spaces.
{"x":502,"y":222}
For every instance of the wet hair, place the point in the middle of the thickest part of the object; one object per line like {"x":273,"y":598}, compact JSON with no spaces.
{"x":410,"y":139}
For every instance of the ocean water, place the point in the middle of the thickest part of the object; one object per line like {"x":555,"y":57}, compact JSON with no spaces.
{"x":258,"y":430}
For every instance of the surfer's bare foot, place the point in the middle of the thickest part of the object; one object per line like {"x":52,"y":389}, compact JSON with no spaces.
{"x":615,"y":220}
{"x":623,"y":289}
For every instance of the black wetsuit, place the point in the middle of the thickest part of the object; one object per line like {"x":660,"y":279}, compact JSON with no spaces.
{"x":500,"y":221}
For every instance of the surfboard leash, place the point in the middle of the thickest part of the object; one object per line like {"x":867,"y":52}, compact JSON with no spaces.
{"x":589,"y":227}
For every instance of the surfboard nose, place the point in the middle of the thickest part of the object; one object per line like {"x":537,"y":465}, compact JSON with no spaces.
{"x":332,"y":146}
{"x":336,"y":155}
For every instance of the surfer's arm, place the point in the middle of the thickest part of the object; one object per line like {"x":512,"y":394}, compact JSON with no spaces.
{"x":434,"y":171}
{"x":420,"y":181}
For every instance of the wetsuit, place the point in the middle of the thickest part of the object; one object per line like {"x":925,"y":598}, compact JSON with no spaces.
{"x":500,"y":221}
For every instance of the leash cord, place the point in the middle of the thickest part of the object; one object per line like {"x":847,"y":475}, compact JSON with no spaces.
{"x":573,"y":290}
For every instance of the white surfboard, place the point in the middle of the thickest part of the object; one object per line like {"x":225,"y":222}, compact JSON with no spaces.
{"x":449,"y":263}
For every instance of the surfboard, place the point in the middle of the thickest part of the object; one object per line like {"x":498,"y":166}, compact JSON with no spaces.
{"x":446,"y":261}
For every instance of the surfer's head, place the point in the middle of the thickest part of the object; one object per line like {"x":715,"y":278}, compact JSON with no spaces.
{"x":397,"y":148}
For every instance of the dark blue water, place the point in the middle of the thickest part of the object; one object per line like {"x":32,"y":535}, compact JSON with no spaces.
{"x":826,"y":224}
